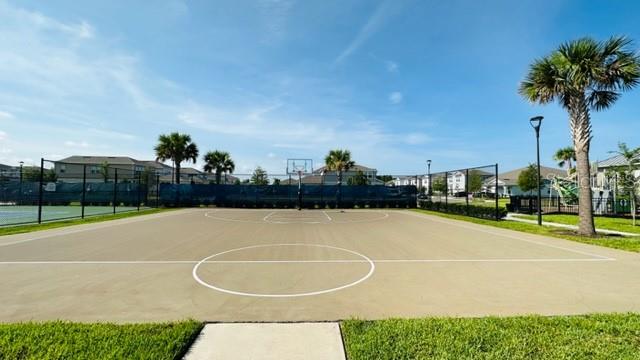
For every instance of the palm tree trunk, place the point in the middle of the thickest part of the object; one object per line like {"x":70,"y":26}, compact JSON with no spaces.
{"x":581,"y":132}
{"x":218,"y":177}
{"x":177,"y":173}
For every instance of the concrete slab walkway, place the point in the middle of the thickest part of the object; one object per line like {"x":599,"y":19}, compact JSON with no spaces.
{"x":565,"y":226}
{"x":268,"y":341}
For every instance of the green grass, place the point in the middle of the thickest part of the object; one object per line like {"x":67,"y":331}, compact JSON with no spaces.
{"x":19,"y":229}
{"x":63,"y":340}
{"x":619,"y":224}
{"x":616,"y":242}
{"x":502,"y":202}
{"x":605,"y":336}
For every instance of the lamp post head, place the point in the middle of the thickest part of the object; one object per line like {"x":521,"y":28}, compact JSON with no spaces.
{"x":429,"y":162}
{"x":536,"y":122}
{"x":21,"y":163}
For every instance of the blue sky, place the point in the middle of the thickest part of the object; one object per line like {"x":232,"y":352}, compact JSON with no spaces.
{"x":396,"y":82}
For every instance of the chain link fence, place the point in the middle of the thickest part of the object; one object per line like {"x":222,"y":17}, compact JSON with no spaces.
{"x":57,"y":190}
{"x":469,"y":191}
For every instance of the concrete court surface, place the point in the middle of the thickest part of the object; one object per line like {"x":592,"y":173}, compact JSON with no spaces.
{"x":277,"y":341}
{"x":311,"y":265}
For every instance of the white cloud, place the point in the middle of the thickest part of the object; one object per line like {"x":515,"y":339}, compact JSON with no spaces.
{"x":416,"y":138}
{"x":381,"y":14}
{"x":392,"y":66}
{"x":3,"y":135}
{"x":271,"y":155}
{"x":395,"y":97}
{"x":5,"y":115}
{"x":76,"y":144}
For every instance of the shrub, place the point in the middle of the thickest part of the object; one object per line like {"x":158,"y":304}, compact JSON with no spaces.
{"x":483,"y":212}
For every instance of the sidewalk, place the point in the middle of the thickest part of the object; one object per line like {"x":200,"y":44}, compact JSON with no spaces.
{"x":511,"y":216}
{"x":280,"y":341}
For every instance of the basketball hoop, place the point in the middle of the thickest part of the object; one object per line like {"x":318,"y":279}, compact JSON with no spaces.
{"x":299,"y":167}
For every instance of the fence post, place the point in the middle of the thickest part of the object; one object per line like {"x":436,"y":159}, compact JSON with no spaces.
{"x":466,"y":191}
{"x":84,"y":187}
{"x":115,"y":189}
{"x":497,"y":202}
{"x":157,"y":191}
{"x":40,"y":190}
{"x":139,"y":188}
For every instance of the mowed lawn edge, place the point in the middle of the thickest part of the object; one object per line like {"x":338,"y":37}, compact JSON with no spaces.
{"x":601,"y":222}
{"x":628,"y":243}
{"x":65,"y":340}
{"x":598,"y":336}
{"x":54,"y":224}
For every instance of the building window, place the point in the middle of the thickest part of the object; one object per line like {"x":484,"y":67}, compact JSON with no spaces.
{"x":63,"y":168}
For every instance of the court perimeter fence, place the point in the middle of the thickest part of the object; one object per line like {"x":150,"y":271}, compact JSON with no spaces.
{"x":311,"y":191}
{"x":469,"y":191}
{"x":57,"y":191}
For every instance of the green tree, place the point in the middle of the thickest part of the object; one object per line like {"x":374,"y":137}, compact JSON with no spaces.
{"x":359,"y":179}
{"x":439,"y":185}
{"x":628,"y":182}
{"x":475,"y":181}
{"x":32,"y":174}
{"x":583,"y":76}
{"x":104,"y":171}
{"x":528,"y":179}
{"x":565,"y":156}
{"x":259,"y":177}
{"x":339,"y":161}
{"x":177,"y":148}
{"x":276,"y":182}
{"x":384,"y":178}
{"x":220,"y":162}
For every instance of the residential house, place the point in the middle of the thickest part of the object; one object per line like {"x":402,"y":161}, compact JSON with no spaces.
{"x":331,"y":177}
{"x":508,"y":182}
{"x":602,"y":178}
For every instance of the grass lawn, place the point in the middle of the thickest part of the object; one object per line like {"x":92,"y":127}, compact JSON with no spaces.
{"x":606,"y":336}
{"x":616,"y":242}
{"x":19,"y":229}
{"x":619,"y":224}
{"x":63,"y":340}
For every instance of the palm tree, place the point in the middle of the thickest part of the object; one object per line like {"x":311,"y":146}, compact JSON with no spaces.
{"x":565,"y":156}
{"x":627,"y":179}
{"x":177,"y":148}
{"x":220,"y":162}
{"x":339,"y":161}
{"x":583,"y":76}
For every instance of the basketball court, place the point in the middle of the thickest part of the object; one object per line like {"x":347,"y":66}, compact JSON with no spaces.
{"x":290,"y":265}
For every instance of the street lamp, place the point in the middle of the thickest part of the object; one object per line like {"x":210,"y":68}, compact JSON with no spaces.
{"x":429,"y":178}
{"x":536,"y":122}
{"x":20,"y":197}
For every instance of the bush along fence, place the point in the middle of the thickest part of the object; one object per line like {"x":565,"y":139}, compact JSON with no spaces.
{"x":469,"y":191}
{"x":58,"y":190}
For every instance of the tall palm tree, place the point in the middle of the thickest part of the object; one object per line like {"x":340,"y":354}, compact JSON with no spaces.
{"x":583,"y":75}
{"x":177,"y":148}
{"x":565,"y":156}
{"x":220,"y":162}
{"x":339,"y":161}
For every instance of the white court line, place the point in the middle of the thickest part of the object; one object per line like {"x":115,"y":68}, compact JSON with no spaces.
{"x":327,"y":215}
{"x":479,"y":228}
{"x":266,"y":217}
{"x":336,"y":261}
{"x":95,"y":226}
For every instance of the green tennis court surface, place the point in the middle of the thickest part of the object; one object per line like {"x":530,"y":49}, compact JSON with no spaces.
{"x":20,"y":214}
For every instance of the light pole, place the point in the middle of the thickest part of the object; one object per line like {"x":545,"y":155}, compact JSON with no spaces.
{"x":20,"y":197}
{"x":536,"y":122}
{"x":429,"y":178}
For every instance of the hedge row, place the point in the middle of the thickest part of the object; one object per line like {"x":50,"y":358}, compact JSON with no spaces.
{"x":483,"y":212}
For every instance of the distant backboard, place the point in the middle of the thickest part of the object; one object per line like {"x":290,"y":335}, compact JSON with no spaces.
{"x":299,"y":166}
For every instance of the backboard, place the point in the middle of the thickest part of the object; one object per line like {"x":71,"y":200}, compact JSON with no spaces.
{"x":299,"y":166}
